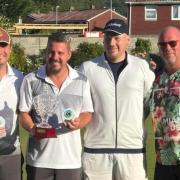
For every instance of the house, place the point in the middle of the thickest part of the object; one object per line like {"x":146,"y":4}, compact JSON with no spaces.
{"x":92,"y":19}
{"x":147,"y":17}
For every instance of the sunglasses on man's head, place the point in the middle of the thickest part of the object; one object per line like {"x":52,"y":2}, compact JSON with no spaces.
{"x":172,"y":44}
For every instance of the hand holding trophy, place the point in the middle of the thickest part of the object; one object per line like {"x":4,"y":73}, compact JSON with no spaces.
{"x":68,"y":114}
{"x":44,"y":106}
{"x":70,"y":119}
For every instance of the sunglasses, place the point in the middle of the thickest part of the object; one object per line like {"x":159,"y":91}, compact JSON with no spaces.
{"x":3,"y":44}
{"x":172,"y":44}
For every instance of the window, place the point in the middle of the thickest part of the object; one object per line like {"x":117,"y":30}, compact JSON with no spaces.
{"x":175,"y":12}
{"x":150,"y":12}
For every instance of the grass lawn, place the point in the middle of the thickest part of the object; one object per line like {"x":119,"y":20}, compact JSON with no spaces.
{"x":150,"y":149}
{"x":23,"y":139}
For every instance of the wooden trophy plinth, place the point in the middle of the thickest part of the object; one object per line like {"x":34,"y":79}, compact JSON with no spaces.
{"x":45,"y":132}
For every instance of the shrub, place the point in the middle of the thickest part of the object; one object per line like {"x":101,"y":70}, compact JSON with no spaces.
{"x":18,"y":58}
{"x":20,"y":61}
{"x":142,"y":47}
{"x":26,"y":64}
{"x":5,"y":22}
{"x":84,"y":52}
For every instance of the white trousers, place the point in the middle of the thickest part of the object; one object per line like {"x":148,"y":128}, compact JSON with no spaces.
{"x":114,"y":166}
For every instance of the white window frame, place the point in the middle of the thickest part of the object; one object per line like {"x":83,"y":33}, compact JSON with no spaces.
{"x":172,"y":12}
{"x":150,"y":9}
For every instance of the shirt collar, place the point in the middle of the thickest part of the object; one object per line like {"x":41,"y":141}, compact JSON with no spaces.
{"x":106,"y":58}
{"x":10,"y":71}
{"x":177,"y":73}
{"x":41,"y":73}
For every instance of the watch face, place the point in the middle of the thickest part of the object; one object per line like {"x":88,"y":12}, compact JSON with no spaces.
{"x":68,"y":114}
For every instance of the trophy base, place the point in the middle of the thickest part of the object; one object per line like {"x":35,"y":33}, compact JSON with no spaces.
{"x":42,"y":132}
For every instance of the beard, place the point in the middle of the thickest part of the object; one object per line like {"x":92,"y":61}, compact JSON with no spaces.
{"x":53,"y":71}
{"x":52,"y":67}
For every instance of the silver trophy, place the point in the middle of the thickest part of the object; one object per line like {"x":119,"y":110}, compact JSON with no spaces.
{"x":44,"y":105}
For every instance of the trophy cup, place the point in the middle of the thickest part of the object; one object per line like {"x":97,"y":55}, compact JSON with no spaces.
{"x":44,"y":106}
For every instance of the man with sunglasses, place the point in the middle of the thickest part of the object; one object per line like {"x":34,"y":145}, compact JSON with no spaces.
{"x":10,"y":81}
{"x":165,"y":107}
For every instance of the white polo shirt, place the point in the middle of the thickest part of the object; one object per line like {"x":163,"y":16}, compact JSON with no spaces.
{"x":63,"y":152}
{"x":9,"y":98}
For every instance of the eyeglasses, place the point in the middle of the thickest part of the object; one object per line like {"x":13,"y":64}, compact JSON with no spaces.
{"x":172,"y":44}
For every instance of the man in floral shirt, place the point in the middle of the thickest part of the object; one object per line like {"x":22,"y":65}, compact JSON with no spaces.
{"x":165,"y":107}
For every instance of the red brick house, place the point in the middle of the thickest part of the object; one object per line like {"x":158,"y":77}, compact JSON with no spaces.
{"x":94,"y":18}
{"x":147,"y":17}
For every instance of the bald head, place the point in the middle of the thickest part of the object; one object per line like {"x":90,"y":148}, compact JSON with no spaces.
{"x":169,"y":47}
{"x":169,"y":31}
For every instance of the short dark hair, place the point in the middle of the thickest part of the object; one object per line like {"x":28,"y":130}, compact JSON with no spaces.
{"x":59,"y":37}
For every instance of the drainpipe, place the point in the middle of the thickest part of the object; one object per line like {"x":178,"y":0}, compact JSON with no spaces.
{"x":111,"y":7}
{"x":130,"y":9}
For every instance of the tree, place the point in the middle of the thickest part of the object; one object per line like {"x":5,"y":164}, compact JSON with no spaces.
{"x":118,"y":5}
{"x":14,"y":9}
{"x":50,"y":5}
{"x":5,"y":22}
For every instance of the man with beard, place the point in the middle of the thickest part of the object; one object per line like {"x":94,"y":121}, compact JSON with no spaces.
{"x":165,"y":107}
{"x":55,"y":102}
{"x":10,"y":82}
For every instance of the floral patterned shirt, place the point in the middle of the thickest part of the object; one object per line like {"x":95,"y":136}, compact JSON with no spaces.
{"x":165,"y":109}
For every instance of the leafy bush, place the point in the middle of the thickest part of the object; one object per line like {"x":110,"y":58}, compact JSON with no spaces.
{"x":26,"y":64}
{"x":84,"y":52}
{"x":33,"y":63}
{"x":142,"y":47}
{"x":20,"y":61}
{"x":36,"y":61}
{"x":5,"y":22}
{"x":18,"y":58}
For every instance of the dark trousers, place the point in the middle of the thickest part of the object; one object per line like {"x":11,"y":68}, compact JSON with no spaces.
{"x":10,"y":167}
{"x":35,"y":173}
{"x":163,"y":172}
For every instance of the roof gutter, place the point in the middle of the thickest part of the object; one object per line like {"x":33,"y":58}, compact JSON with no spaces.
{"x":153,"y":2}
